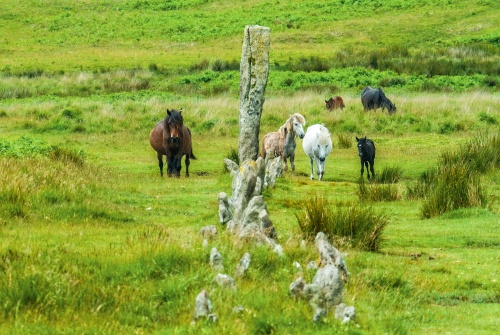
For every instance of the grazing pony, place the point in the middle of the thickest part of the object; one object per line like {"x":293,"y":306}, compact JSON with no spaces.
{"x":375,"y":98}
{"x":366,"y":152}
{"x":334,"y":103}
{"x":171,"y":138}
{"x":282,"y":142}
{"x":317,"y":145}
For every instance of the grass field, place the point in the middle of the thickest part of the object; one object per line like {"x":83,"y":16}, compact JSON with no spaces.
{"x":94,"y":241}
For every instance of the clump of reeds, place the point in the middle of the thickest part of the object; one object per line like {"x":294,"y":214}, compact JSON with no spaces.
{"x":358,"y":226}
{"x":456,"y":182}
{"x":389,"y":175}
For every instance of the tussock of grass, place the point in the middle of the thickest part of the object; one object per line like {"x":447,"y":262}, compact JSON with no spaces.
{"x":422,"y":187}
{"x":457,"y":183}
{"x":345,"y":141}
{"x":389,"y":175}
{"x":353,"y":225}
{"x":456,"y":188}
{"x":378,"y":192}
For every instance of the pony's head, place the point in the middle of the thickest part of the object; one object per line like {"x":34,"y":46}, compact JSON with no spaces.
{"x":329,"y":104}
{"x":361,"y":146}
{"x":323,"y":144}
{"x":391,"y":108}
{"x":297,"y":122}
{"x":173,"y":123}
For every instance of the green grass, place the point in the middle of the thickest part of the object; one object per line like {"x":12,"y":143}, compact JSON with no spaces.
{"x":112,"y":239}
{"x":95,"y":242}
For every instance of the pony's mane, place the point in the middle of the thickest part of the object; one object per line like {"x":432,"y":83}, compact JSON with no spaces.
{"x":323,"y":135}
{"x":288,"y":126}
{"x":301,"y":118}
{"x":175,"y":117}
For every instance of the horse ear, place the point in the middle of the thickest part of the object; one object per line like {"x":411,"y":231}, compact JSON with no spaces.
{"x":169,"y":113}
{"x":365,"y":138}
{"x":180,"y":111}
{"x":357,"y":139}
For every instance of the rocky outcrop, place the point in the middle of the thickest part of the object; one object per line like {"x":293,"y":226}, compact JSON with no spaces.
{"x":327,"y":287}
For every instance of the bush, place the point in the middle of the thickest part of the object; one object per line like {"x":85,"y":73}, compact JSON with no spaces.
{"x":352,"y":224}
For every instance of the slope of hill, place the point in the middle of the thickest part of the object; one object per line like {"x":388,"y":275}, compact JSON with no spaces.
{"x":64,"y":35}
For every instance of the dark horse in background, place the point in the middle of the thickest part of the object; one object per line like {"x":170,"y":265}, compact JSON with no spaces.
{"x":375,"y":98}
{"x":366,"y":152}
{"x":171,"y":138}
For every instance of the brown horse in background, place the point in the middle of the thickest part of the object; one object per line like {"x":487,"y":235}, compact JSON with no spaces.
{"x":334,"y":103}
{"x":171,"y":138}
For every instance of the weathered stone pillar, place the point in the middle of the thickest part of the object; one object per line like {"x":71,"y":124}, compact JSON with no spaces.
{"x":248,"y":218}
{"x":254,"y":71}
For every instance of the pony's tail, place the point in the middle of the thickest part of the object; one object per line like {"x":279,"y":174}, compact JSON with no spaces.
{"x":263,"y":152}
{"x":191,"y":155}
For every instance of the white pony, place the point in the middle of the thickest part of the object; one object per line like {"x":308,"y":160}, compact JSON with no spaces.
{"x":282,"y":142}
{"x":317,"y":145}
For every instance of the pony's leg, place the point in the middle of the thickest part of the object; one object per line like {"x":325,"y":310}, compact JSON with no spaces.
{"x":312,"y":168}
{"x":362,"y":168}
{"x":292,"y":162}
{"x":170,"y":165}
{"x":160,"y":163}
{"x":177,"y":166}
{"x":321,"y":169}
{"x":187,"y":162}
{"x":283,"y":158}
{"x":372,"y":163}
{"x":367,"y":170}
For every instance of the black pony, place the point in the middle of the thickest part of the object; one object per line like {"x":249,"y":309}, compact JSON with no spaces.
{"x":366,"y":152}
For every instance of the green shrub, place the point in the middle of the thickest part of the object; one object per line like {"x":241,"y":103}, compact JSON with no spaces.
{"x":350,"y":224}
{"x":488,"y":118}
{"x":24,"y":147}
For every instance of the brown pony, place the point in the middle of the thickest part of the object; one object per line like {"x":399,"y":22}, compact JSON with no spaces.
{"x":171,"y":138}
{"x":334,"y":103}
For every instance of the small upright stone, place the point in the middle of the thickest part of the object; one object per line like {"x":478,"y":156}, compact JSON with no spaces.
{"x":345,"y":313}
{"x":203,"y":308}
{"x":216,"y":260}
{"x":225,"y":214}
{"x":242,"y":266}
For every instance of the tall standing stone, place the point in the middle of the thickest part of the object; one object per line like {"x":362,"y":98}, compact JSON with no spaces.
{"x":249,"y":219}
{"x":254,"y":71}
